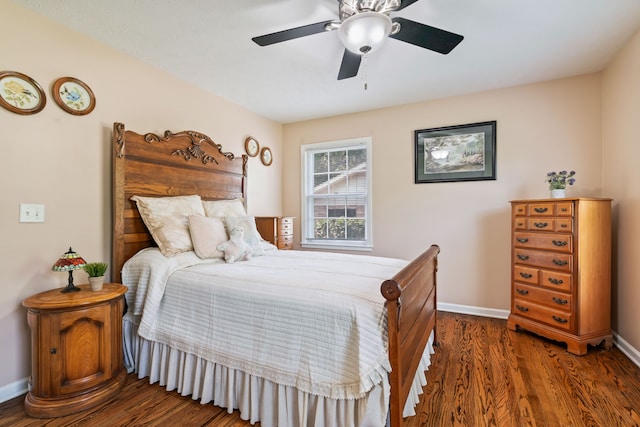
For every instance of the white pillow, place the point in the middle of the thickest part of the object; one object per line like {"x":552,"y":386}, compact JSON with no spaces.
{"x":224,"y":208}
{"x":206,"y":234}
{"x":251,"y":235}
{"x":167,"y":219}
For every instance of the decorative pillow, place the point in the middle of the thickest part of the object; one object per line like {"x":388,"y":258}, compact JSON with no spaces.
{"x":224,"y":208}
{"x":206,"y":234}
{"x":251,"y":235}
{"x":167,"y":219}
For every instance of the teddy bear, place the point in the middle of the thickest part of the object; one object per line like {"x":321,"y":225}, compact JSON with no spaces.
{"x":236,"y":248}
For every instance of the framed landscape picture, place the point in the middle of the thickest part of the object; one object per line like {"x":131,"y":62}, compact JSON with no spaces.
{"x":456,"y":153}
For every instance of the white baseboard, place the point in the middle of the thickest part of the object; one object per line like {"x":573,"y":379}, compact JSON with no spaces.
{"x":476,"y":311}
{"x":626,"y":348}
{"x":14,"y":389}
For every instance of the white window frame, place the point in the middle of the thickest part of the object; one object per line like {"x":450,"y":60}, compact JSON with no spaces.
{"x":306,"y":152}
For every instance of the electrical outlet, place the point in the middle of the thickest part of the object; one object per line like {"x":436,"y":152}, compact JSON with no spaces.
{"x":31,"y":213}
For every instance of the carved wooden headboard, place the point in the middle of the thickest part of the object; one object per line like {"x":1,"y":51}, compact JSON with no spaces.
{"x":175,"y":164}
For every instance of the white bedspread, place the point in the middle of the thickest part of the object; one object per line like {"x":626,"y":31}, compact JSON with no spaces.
{"x":312,"y":320}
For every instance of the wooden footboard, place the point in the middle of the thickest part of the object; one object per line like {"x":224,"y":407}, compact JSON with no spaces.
{"x":411,"y":312}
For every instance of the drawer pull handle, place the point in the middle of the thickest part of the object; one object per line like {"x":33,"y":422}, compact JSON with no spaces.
{"x":560,"y":301}
{"x":563,"y":225}
{"x":522,"y":240}
{"x":559,"y":319}
{"x":560,"y":262}
{"x":563,"y":209}
{"x":523,"y":257}
{"x":522,"y":291}
{"x":526,"y":275}
{"x":560,"y":242}
{"x":521,"y":308}
{"x":556,"y":281}
{"x":541,"y":224}
{"x":53,"y":351}
{"x":540,"y":210}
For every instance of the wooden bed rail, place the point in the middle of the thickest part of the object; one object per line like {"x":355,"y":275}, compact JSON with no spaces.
{"x":411,"y":315}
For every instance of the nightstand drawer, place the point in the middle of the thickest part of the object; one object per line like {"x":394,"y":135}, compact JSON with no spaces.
{"x":285,"y":242}
{"x":285,"y":227}
{"x":277,"y":230}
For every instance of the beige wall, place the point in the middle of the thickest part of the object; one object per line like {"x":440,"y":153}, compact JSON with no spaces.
{"x":540,"y":127}
{"x":63,"y":161}
{"x":621,"y":151}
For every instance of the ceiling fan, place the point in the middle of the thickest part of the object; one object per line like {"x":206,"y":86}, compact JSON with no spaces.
{"x":364,"y":26}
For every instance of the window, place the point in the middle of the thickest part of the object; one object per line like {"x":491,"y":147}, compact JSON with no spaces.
{"x":336,"y":194}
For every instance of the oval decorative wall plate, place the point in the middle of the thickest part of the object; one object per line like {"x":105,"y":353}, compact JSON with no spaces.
{"x":21,"y":94}
{"x":266,"y":156}
{"x":251,"y":146}
{"x":73,"y":96}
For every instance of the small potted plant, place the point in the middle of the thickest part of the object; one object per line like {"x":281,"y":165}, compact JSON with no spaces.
{"x":96,"y":271}
{"x":558,"y":182}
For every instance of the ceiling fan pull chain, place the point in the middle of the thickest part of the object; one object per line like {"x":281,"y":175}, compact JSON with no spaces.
{"x":364,"y":70}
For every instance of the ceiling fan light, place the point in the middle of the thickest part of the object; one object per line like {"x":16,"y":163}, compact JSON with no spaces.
{"x":365,"y":32}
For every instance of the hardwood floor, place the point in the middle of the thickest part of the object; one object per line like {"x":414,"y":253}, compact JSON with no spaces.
{"x":482,"y":375}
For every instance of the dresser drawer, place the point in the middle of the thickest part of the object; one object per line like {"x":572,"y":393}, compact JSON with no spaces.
{"x":557,"y":318}
{"x":553,"y":260}
{"x":542,"y":209}
{"x":556,"y":281}
{"x":551,"y":299}
{"x":564,"y":209}
{"x":521,"y":223}
{"x":525,"y":274}
{"x":548,"y":224}
{"x":543,"y":224}
{"x":520,"y":209}
{"x":564,"y":225}
{"x":555,"y":242}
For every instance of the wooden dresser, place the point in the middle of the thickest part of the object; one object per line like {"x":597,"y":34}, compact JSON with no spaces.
{"x":277,"y":230}
{"x":76,"y":346}
{"x":561,"y":270}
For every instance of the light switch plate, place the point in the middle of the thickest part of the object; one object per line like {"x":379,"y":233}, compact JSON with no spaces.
{"x":31,"y":213}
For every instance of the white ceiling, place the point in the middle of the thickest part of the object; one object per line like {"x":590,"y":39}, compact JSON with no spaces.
{"x":208,"y":43}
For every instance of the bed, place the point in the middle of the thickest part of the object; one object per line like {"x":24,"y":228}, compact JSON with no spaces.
{"x":189,"y":163}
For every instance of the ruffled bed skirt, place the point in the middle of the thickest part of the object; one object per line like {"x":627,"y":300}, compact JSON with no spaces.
{"x":257,"y":399}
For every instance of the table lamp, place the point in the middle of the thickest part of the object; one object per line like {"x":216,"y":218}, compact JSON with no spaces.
{"x":69,"y":261}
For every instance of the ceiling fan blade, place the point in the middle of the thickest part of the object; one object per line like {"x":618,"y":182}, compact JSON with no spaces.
{"x":350,"y":65}
{"x":431,"y":38}
{"x":291,"y":33}
{"x":406,"y":3}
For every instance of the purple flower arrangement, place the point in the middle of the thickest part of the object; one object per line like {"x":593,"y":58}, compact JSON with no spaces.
{"x":560,"y":180}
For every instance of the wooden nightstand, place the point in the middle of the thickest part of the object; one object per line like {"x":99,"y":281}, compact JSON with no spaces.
{"x":76,"y":346}
{"x":277,"y":230}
